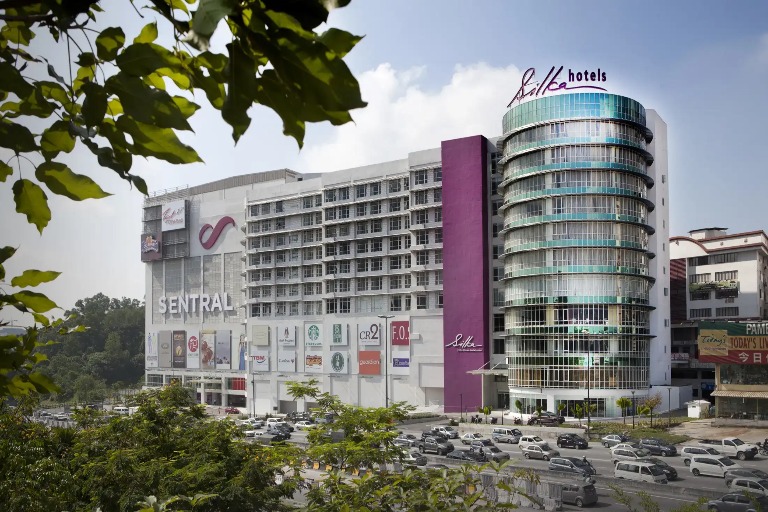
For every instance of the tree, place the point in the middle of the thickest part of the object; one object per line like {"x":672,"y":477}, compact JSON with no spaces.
{"x":578,"y":411}
{"x":486,"y":410}
{"x":560,"y":408}
{"x":113,"y":100}
{"x":519,"y":407}
{"x":651,"y":403}
{"x":624,"y":403}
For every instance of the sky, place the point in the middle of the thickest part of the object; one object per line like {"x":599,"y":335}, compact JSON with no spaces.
{"x":444,"y":69}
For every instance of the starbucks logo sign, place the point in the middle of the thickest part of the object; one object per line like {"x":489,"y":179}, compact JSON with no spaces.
{"x":337,"y":362}
{"x":314,"y":332}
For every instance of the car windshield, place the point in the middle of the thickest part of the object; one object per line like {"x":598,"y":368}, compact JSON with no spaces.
{"x":759,"y":473}
{"x":580,"y":462}
{"x":763,"y":483}
{"x":537,"y":439}
{"x":712,"y":451}
{"x":449,"y":429}
{"x":493,"y":449}
{"x":738,"y":442}
{"x":659,"y":462}
{"x":725,"y":461}
{"x":656,"y":471}
{"x":545,"y":447}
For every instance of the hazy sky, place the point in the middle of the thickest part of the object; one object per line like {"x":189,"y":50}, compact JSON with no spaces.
{"x":432,"y":70}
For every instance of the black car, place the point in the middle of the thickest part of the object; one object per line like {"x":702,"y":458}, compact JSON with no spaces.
{"x":571,"y":441}
{"x":668,"y":470}
{"x":275,"y":436}
{"x":658,"y":447}
{"x":571,"y":465}
{"x":280,"y":431}
{"x":464,"y":455}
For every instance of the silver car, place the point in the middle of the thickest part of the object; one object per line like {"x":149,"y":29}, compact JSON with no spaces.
{"x":612,"y":440}
{"x":544,"y":452}
{"x":737,"y":502}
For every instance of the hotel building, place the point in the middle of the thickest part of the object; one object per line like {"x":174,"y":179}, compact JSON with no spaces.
{"x":481,"y":272}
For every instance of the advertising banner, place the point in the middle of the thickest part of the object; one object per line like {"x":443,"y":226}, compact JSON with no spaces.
{"x":207,"y":347}
{"x":150,"y":246}
{"x":223,"y":350}
{"x":286,"y":336}
{"x":179,"y":349}
{"x":193,"y":350}
{"x":286,"y":362}
{"x":259,"y":336}
{"x":727,"y":342}
{"x":400,"y":332}
{"x":369,"y":362}
{"x":150,"y":352}
{"x":401,"y":362}
{"x":260,"y":361}
{"x":340,"y":336}
{"x":240,"y":352}
{"x":368,"y":334}
{"x":174,"y":215}
{"x":313,"y":335}
{"x":165,"y":338}
{"x":313,"y":363}
{"x":339,"y":363}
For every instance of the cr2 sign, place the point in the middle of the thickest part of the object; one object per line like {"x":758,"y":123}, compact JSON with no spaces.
{"x":368,"y":334}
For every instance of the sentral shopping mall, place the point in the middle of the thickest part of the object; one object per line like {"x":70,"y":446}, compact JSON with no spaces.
{"x":530,"y":266}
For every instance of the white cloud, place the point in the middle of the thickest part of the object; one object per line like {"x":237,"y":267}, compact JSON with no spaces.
{"x":402,"y":116}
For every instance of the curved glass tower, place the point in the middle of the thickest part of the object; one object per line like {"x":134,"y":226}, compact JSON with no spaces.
{"x":576,"y":250}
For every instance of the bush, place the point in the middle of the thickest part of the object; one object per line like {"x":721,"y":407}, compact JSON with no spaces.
{"x":422,"y":415}
{"x":453,"y":423}
{"x":641,"y":430}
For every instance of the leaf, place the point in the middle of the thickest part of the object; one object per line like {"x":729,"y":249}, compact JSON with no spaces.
{"x":84,"y":75}
{"x":160,"y":143}
{"x":340,"y":42}
{"x":16,"y":137}
{"x":17,"y":32}
{"x":207,"y":17}
{"x":241,"y":91}
{"x":57,"y":138}
{"x":13,"y":81}
{"x":141,"y":59}
{"x":5,"y":253}
{"x":148,"y":33}
{"x":109,"y":42}
{"x":140,"y":184}
{"x":94,"y":104}
{"x":35,"y":301}
{"x":5,"y":171}
{"x":86,"y":59}
{"x":32,"y":202}
{"x":53,"y":74}
{"x":145,"y":104}
{"x":33,"y":105}
{"x":34,"y":278}
{"x":62,"y":181}
{"x":114,"y":107}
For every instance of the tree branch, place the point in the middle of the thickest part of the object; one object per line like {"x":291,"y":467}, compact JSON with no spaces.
{"x":15,"y":4}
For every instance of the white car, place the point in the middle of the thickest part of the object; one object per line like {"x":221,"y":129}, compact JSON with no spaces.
{"x":303,"y":425}
{"x":253,"y":433}
{"x":471,"y":436}
{"x":526,"y":441}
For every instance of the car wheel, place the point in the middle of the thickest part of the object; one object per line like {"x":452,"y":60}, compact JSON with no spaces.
{"x":687,"y":462}
{"x":559,"y":444}
{"x":546,"y":457}
{"x":421,"y":449}
{"x":579,"y":502}
{"x":527,"y":456}
{"x":696,"y":472}
{"x":605,"y":444}
{"x":741,"y":456}
{"x":713,"y":508}
{"x":665,"y":454}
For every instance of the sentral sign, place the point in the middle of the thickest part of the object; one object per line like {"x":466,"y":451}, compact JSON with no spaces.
{"x":194,"y":302}
{"x":558,"y":80}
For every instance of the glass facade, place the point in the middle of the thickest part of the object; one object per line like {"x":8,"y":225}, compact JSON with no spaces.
{"x":576,"y":232}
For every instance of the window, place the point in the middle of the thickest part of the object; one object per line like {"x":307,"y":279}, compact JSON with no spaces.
{"x":700,"y":313}
{"x":394,"y":186}
{"x":362,"y":247}
{"x":396,"y":303}
{"x":421,"y":301}
{"x":439,"y":237}
{"x":420,"y":197}
{"x":422,"y":279}
{"x":361,"y":209}
{"x":377,"y":245}
{"x":306,"y":202}
{"x":439,"y":215}
{"x":699,"y":278}
{"x":376,"y":226}
{"x":344,"y":212}
{"x":330,"y":195}
{"x":440,"y":300}
{"x":361,"y":228}
{"x":420,"y":217}
{"x":439,"y":257}
{"x":395,"y":243}
{"x":376,"y":283}
{"x":498,"y":346}
{"x":437,"y":174}
{"x":422,"y":258}
{"x":375,"y":207}
{"x":438,"y":277}
{"x":437,"y":195}
{"x":343,"y":193}
{"x":728,"y":257}
{"x":361,"y":284}
{"x":376,"y":188}
{"x":361,"y":191}
{"x":394,"y":205}
{"x":498,"y":323}
{"x":731,"y":275}
{"x":395,"y":282}
{"x":422,"y":237}
{"x":395,"y":263}
{"x":729,"y":311}
{"x":376,"y":264}
{"x":701,"y":295}
{"x":395,"y":224}
{"x":420,"y":177}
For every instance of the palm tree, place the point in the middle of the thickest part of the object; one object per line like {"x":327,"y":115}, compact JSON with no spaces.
{"x":624,"y":403}
{"x":519,"y":407}
{"x":560,"y":408}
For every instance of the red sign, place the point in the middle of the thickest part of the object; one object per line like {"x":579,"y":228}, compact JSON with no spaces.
{"x":400,"y":333}
{"x":369,"y":362}
{"x":192,"y":344}
{"x":216,"y":230}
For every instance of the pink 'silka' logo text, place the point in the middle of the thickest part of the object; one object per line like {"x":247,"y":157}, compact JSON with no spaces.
{"x":463,"y":344}
{"x":556,"y":81}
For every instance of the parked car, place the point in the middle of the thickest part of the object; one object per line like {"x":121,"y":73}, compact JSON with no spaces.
{"x":560,"y":419}
{"x":433,"y":433}
{"x":613,"y":439}
{"x":747,"y":472}
{"x":737,"y":502}
{"x":413,"y":459}
{"x":712,"y":465}
{"x":470,"y":436}
{"x":573,"y":465}
{"x":252,"y":433}
{"x":231,"y":410}
{"x":658,"y":447}
{"x":303,"y":425}
{"x":253,"y":422}
{"x":489,"y":452}
{"x":618,"y":454}
{"x":506,"y":435}
{"x":668,"y":470}
{"x":436,"y":445}
{"x":535,"y":451}
{"x":579,"y":494}
{"x":544,"y":420}
{"x":275,"y":436}
{"x":641,"y":471}
{"x":481,"y":443}
{"x":405,"y":440}
{"x":526,"y":441}
{"x":751,"y":485}
{"x":280,"y":424}
{"x":464,"y":455}
{"x":571,"y":441}
{"x":688,"y":452}
{"x":448,"y":432}
{"x":61,"y":416}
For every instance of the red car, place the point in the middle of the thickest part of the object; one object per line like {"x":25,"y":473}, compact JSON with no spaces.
{"x":232,"y":410}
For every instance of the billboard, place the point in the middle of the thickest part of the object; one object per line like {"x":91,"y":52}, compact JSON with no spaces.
{"x":179,"y":349}
{"x":259,"y":336}
{"x":400,"y":332}
{"x":286,"y":361}
{"x":340,"y":335}
{"x":338,"y":363}
{"x":369,"y":362}
{"x":151,"y":246}
{"x":174,"y":215}
{"x":286,"y":336}
{"x":368,"y":334}
{"x":728,"y":342}
{"x":150,"y":352}
{"x":401,"y":362}
{"x":260,"y":361}
{"x":193,"y":350}
{"x":164,"y":350}
{"x":313,"y":335}
{"x":239,"y":356}
{"x":207,"y":347}
{"x":313,"y":362}
{"x":223,"y":350}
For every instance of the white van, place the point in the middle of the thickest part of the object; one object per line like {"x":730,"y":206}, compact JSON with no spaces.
{"x":712,"y":466}
{"x":506,"y":435}
{"x":640,"y":471}
{"x":120,"y":409}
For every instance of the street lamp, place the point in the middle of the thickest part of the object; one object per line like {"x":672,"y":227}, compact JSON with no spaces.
{"x":669,"y":407}
{"x":386,"y":357}
{"x":633,"y":409}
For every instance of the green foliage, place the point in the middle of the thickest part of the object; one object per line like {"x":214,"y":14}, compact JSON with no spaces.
{"x":624,"y":403}
{"x":642,"y":430}
{"x":649,"y":404}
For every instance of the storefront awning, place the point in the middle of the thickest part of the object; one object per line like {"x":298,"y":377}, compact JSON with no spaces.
{"x":499,"y":371}
{"x":740,"y":394}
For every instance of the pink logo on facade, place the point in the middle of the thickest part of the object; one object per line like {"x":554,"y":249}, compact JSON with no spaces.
{"x":215,"y":233}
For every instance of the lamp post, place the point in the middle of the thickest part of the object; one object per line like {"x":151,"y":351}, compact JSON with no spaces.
{"x":589,"y":402}
{"x":633,"y":409}
{"x":669,"y":407}
{"x":461,"y":406}
{"x":386,"y":357}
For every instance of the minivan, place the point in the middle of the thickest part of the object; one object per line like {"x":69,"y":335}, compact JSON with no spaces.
{"x":640,"y":471}
{"x":120,"y":409}
{"x":506,"y":435}
{"x":752,"y":485}
{"x":571,"y":465}
{"x":712,"y":466}
{"x":579,"y":494}
{"x":448,"y":432}
{"x":688,"y":452}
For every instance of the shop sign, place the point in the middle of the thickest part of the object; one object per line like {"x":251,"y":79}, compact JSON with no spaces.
{"x":731,"y":342}
{"x":174,"y":215}
{"x":193,"y":302}
{"x":369,"y":362}
{"x":556,"y":81}
{"x":462,"y":344}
